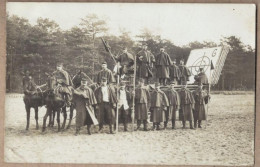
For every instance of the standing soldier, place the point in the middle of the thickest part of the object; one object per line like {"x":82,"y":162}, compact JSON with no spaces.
{"x":105,"y":73}
{"x":145,"y":60}
{"x":201,"y":78}
{"x":201,"y":98}
{"x":159,"y":104}
{"x":142,"y":103}
{"x":85,"y":101}
{"x":174,"y":105}
{"x":162,"y":64}
{"x":186,"y":105}
{"x":126,"y":61}
{"x":174,"y":72}
{"x":106,"y":103}
{"x":184,"y":73}
{"x":64,"y":80}
{"x":124,"y":105}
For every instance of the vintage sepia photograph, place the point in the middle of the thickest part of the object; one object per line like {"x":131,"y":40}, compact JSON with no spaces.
{"x":130,"y":83}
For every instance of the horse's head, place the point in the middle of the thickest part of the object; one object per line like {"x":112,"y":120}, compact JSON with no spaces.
{"x":51,"y":81}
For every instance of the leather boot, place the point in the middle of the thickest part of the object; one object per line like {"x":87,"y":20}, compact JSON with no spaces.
{"x":158,"y":126}
{"x":165,"y":125}
{"x":199,"y":123}
{"x":195,"y":124}
{"x":77,"y":131}
{"x":138,"y":124}
{"x":191,"y":127}
{"x":125,"y":127}
{"x":89,"y":132}
{"x":183,"y":124}
{"x":173,"y":124}
{"x":111,"y":129}
{"x":154,"y":126}
{"x":145,"y":126}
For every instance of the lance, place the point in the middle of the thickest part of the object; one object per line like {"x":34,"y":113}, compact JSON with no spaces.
{"x":208,"y":99}
{"x":133,"y":108}
{"x":108,"y":49}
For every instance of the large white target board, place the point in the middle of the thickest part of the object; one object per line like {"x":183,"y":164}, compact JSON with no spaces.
{"x":207,"y":58}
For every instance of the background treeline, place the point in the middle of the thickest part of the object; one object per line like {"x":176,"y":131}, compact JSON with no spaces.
{"x":38,"y":48}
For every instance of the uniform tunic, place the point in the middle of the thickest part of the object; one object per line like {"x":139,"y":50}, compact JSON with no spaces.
{"x":126,"y":61}
{"x":184,"y":74}
{"x":30,"y":94}
{"x":174,"y":103}
{"x":186,"y":105}
{"x":145,"y":64}
{"x":84,"y":100}
{"x":159,"y":104}
{"x":142,"y":100}
{"x":106,"y":113}
{"x":107,"y":74}
{"x":174,"y":72}
{"x":162,"y":64}
{"x":199,"y":109}
{"x":201,"y":78}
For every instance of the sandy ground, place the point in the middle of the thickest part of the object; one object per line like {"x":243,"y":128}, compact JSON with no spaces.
{"x":227,"y":140}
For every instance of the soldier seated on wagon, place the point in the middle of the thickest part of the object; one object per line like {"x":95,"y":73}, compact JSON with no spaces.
{"x":201,"y":77}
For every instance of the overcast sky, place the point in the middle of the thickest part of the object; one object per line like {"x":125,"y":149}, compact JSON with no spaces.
{"x":180,"y":23}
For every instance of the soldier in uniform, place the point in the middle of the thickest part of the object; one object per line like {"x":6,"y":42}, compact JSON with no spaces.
{"x":105,"y":72}
{"x":184,"y":73}
{"x":85,"y":101}
{"x":64,"y":83}
{"x":201,"y":78}
{"x":159,"y":104}
{"x":174,"y":72}
{"x":201,"y":98}
{"x":162,"y":64}
{"x":174,"y":104}
{"x":124,"y":105}
{"x":126,"y":61}
{"x":145,"y":60}
{"x":186,"y":105}
{"x":106,"y":103}
{"x":142,"y":103}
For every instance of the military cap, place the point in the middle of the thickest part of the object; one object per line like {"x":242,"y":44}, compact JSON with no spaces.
{"x":104,"y":62}
{"x":59,"y":64}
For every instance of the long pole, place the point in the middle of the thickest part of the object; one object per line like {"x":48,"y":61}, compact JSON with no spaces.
{"x":208,"y":99}
{"x":133,"y":109}
{"x":117,"y":91}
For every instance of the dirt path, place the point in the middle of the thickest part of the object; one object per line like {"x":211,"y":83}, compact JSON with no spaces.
{"x":227,"y":140}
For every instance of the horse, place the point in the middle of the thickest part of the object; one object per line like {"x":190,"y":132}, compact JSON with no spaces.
{"x":54,"y":103}
{"x":32,"y":99}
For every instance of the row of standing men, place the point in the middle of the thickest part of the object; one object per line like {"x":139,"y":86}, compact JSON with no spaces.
{"x":162,"y":104}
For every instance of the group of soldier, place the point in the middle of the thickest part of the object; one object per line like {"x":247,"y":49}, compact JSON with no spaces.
{"x":99,"y":106}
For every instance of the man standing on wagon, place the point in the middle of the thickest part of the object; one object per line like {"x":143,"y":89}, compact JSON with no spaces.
{"x":184,"y":73}
{"x":85,"y":101}
{"x":145,"y":60}
{"x":162,"y":64}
